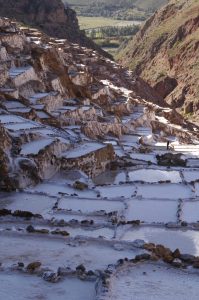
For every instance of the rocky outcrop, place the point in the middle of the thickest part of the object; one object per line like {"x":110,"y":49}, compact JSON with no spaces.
{"x":165,"y":54}
{"x":51,"y":17}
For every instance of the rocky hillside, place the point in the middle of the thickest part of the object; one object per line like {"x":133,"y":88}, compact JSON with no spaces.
{"x":166,"y":53}
{"x":51,"y":17}
{"x":50,"y":87}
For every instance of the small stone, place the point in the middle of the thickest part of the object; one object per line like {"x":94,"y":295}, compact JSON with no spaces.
{"x":196,"y":265}
{"x":118,"y":247}
{"x":21,"y":264}
{"x":149,"y":246}
{"x":144,"y":256}
{"x":177,"y":263}
{"x":30,"y":228}
{"x":184,"y":224}
{"x":51,"y":277}
{"x":176,"y":253}
{"x":188,"y":258}
{"x":81,"y":268}
{"x":90,"y":273}
{"x":139,"y":243}
{"x":33,"y":266}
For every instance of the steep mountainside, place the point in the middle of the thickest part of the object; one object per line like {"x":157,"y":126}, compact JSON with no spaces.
{"x":166,"y":53}
{"x":51,"y":17}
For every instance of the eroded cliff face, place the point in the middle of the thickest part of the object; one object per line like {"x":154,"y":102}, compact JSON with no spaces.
{"x":165,"y":53}
{"x":52,"y":17}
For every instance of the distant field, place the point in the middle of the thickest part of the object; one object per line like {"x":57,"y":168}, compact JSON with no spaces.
{"x":96,"y":22}
{"x":138,"y":10}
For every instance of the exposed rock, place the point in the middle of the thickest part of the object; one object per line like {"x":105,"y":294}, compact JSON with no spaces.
{"x":61,"y":232}
{"x":30,"y":229}
{"x":144,"y":256}
{"x":177,"y":263}
{"x":80,"y":185}
{"x":166,"y":86}
{"x":171,"y":159}
{"x":81,"y":268}
{"x":51,"y":277}
{"x":5,"y":212}
{"x":165,"y":54}
{"x":33,"y":266}
{"x":187,"y":258}
{"x":52,"y":18}
{"x":23,"y":214}
{"x":176,"y":253}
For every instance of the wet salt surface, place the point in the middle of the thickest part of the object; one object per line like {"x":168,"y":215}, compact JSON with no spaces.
{"x":125,"y":191}
{"x":22,"y":287}
{"x":152,"y":282}
{"x":54,"y":252}
{"x":152,"y":211}
{"x":165,"y":191}
{"x":190,"y":211}
{"x":110,"y":177}
{"x":36,"y":146}
{"x":89,"y":206}
{"x":150,"y":175}
{"x":54,"y":189}
{"x":37,"y":204}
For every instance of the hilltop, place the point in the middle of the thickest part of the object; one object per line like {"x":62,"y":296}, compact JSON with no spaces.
{"x":165,"y":52}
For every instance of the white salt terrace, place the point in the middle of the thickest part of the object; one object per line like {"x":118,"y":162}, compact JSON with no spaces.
{"x":84,"y":149}
{"x":13,"y":104}
{"x":25,"y":286}
{"x":36,"y":146}
{"x":33,"y":99}
{"x":165,"y":191}
{"x":54,"y":252}
{"x":152,"y":211}
{"x":190,"y":211}
{"x":7,"y":119}
{"x":55,"y":189}
{"x":37,"y":204}
{"x":191,"y":176}
{"x":153,"y":282}
{"x":18,"y":71}
{"x":124,"y":191}
{"x":22,"y":126}
{"x":185,"y":240}
{"x":90,"y":206}
{"x":152,"y":175}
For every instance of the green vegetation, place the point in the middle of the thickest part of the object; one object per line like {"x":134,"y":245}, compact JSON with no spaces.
{"x":111,"y":37}
{"x":111,"y":23}
{"x":96,"y":22}
{"x":117,"y":9}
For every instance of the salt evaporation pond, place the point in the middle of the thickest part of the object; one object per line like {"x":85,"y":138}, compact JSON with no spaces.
{"x":152,"y":175}
{"x":24,"y":286}
{"x":153,"y":282}
{"x":186,"y":240}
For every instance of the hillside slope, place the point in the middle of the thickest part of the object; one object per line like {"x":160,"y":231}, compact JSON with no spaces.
{"x":51,"y":17}
{"x":165,"y":52}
